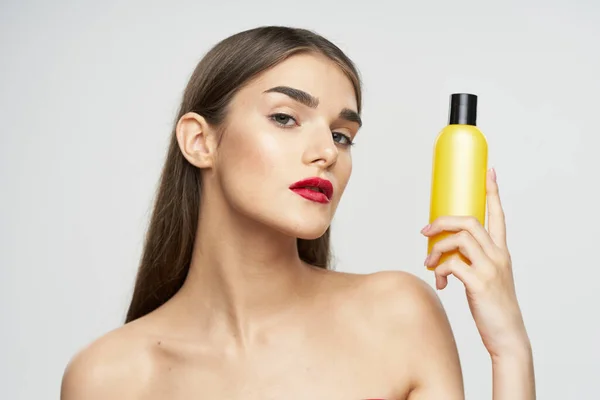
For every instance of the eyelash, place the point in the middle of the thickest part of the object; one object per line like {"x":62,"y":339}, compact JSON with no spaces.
{"x":274,"y":116}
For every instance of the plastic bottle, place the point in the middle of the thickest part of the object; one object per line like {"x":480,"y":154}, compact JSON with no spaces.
{"x":459,"y":168}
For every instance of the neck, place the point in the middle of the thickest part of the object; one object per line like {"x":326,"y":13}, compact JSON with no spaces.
{"x":243,"y":275}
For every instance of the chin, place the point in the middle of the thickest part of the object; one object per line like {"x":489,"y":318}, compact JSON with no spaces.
{"x":305,"y":221}
{"x":308,"y":228}
{"x":311,"y":234}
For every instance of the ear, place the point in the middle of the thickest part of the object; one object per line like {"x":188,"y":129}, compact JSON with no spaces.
{"x":196,"y":140}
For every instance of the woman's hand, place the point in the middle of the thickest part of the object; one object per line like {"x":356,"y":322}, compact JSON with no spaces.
{"x":488,"y":280}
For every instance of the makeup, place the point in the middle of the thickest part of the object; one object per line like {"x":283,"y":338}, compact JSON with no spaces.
{"x":314,"y":189}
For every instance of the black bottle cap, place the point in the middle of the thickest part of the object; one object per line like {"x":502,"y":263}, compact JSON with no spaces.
{"x":463,"y":109}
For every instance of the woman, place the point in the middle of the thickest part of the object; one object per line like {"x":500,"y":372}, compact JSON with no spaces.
{"x":234,"y":298}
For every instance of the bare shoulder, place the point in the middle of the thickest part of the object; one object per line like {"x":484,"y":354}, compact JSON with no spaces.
{"x":401,"y":313}
{"x":398,"y":285}
{"x":408,"y":304}
{"x":393,"y":296}
{"x":116,"y":365}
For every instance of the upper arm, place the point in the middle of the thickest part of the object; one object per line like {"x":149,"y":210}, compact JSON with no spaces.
{"x":79,"y":380}
{"x":437,"y":369}
{"x":83,"y":379}
{"x":420,"y":335}
{"x":102,"y":371}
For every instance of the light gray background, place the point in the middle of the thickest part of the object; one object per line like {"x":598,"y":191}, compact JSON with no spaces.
{"x":88,"y":91}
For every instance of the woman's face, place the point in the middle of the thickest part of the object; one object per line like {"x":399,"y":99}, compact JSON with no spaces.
{"x":294,"y":122}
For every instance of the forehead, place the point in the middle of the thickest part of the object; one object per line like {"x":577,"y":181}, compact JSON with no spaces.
{"x":312,"y":73}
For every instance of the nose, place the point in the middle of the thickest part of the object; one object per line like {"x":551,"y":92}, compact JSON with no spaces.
{"x":322,"y":150}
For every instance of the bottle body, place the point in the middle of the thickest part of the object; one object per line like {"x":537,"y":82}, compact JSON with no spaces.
{"x":458,"y":184}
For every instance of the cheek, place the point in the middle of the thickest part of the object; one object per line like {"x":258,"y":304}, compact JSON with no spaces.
{"x":250,"y":156}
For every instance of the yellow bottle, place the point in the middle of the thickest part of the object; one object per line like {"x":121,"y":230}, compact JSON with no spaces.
{"x":459,"y":168}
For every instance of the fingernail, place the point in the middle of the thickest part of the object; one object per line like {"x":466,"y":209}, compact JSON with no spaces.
{"x":493,"y":174}
{"x":426,"y":228}
{"x":427,"y":259}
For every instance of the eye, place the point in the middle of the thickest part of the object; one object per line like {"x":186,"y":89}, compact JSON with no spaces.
{"x":283,"y":120}
{"x":342,"y":139}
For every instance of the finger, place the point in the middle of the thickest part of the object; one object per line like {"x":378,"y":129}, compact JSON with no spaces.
{"x":496,"y":221}
{"x":455,"y":267}
{"x":461,"y":241}
{"x":462,"y":223}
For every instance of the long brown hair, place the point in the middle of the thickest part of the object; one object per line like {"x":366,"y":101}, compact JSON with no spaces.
{"x":220,"y":74}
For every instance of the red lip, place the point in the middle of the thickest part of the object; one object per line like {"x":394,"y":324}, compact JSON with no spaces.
{"x":315,"y":189}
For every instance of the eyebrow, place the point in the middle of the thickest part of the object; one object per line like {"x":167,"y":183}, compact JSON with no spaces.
{"x":310,"y":101}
